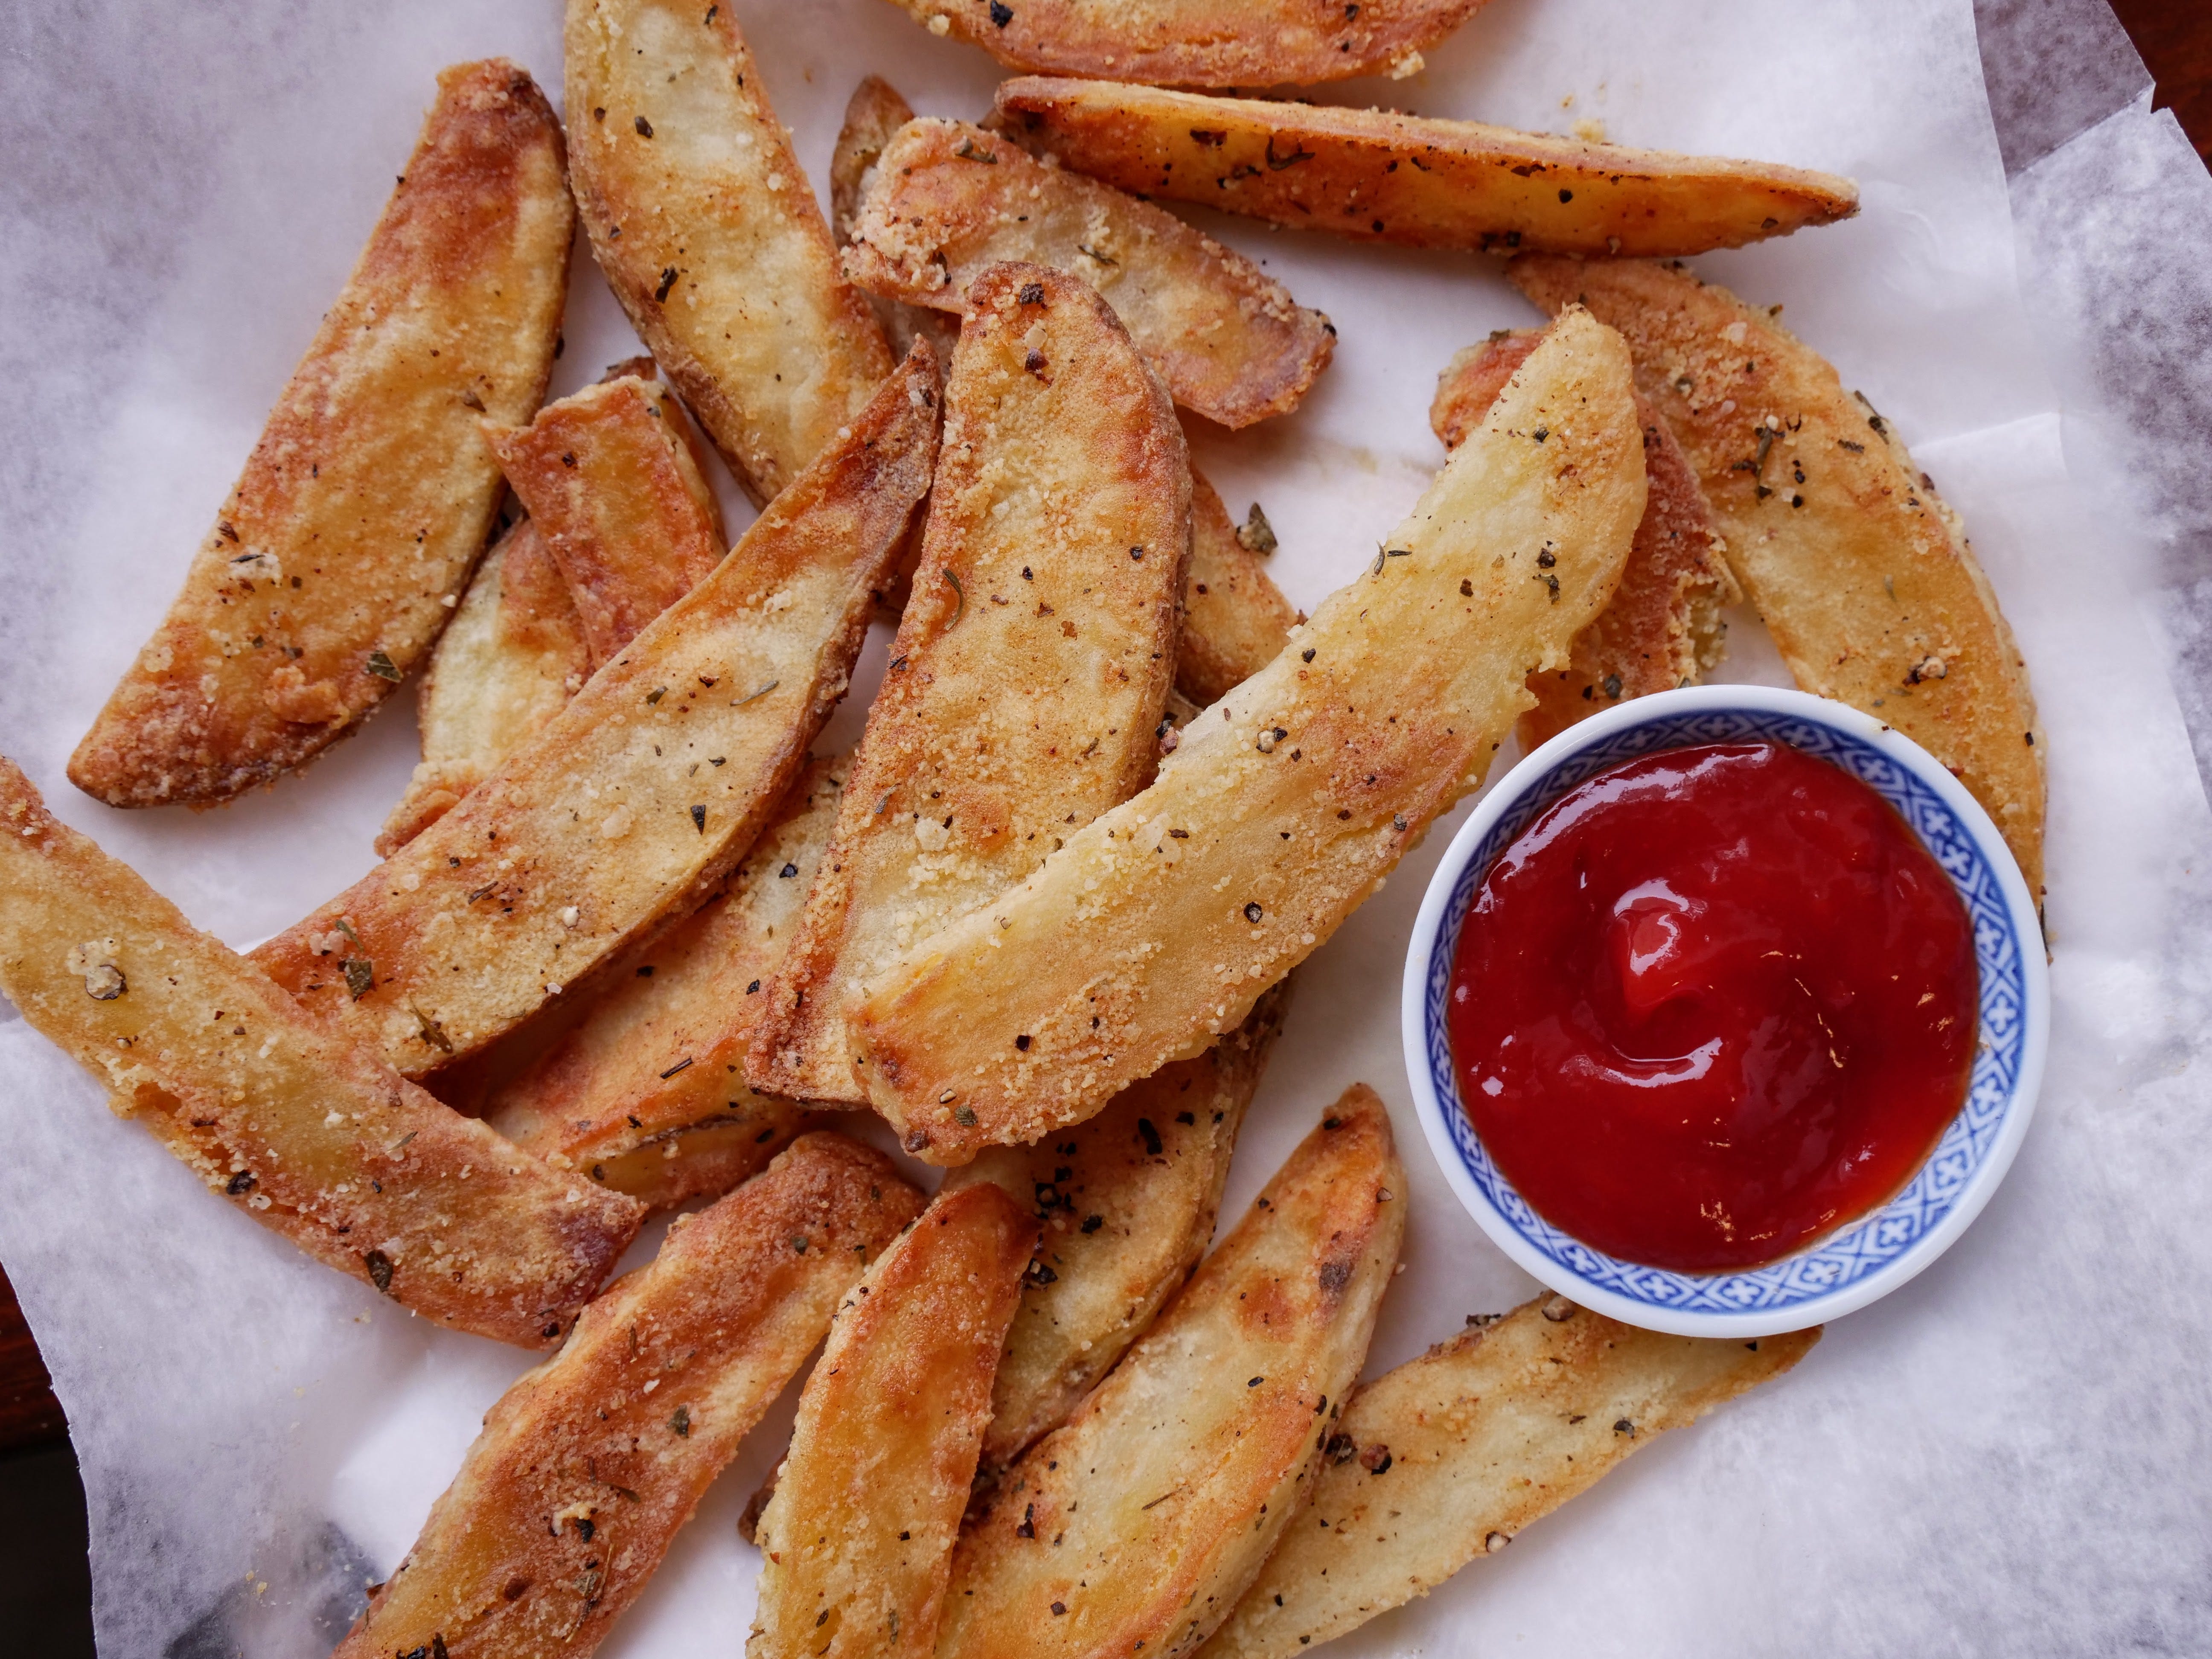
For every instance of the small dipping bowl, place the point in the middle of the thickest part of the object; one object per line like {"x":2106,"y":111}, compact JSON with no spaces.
{"x":1863,"y":1259}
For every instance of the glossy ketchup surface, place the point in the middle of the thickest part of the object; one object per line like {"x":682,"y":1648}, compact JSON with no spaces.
{"x":1714,"y":1003}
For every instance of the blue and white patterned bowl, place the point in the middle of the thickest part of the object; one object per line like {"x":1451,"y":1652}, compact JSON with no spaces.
{"x":1869,"y":1258}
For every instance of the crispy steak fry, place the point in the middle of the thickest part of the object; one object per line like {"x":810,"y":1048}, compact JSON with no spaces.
{"x":589,"y":1464}
{"x":1420,"y":182}
{"x":1445,"y":1459}
{"x":1128,"y":1201}
{"x":1663,"y":628}
{"x":1234,"y":619}
{"x":628,"y":809}
{"x":370,"y":494}
{"x":1143,"y":1520}
{"x":1030,"y":670}
{"x":1160,"y":923}
{"x":873,"y":120}
{"x":305,"y":1130}
{"x":610,"y":480}
{"x":859,"y":1536}
{"x":507,"y":664}
{"x":710,"y":236}
{"x":647,"y":1093}
{"x":1862,"y":573}
{"x":1201,"y":43}
{"x":947,"y":200}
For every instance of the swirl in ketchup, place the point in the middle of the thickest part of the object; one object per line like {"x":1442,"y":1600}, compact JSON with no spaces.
{"x":1714,"y":1003}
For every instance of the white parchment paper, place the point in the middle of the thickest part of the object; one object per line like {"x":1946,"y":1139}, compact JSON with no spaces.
{"x":2004,"y":1458}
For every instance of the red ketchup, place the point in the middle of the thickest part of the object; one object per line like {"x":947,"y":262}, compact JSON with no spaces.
{"x":1713,"y":1004}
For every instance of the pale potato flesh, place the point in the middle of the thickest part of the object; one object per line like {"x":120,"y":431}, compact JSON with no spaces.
{"x":1234,"y":619}
{"x":1143,"y":1520}
{"x":1285,"y":804}
{"x":307,"y":1132}
{"x":590,"y":1464}
{"x":370,"y":496}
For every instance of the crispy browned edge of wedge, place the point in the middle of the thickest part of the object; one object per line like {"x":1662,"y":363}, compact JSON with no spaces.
{"x":1132,"y":946}
{"x":588,"y":1466}
{"x":1042,"y":615}
{"x":1127,"y":1201}
{"x":646,"y":1093}
{"x":873,"y":117}
{"x":243,"y":1085}
{"x":1862,"y":573}
{"x":1143,"y":1519}
{"x":452,"y":946}
{"x":1191,"y":43}
{"x":868,"y":1502}
{"x":1444,"y":1460}
{"x":1373,"y":175}
{"x":1234,"y":619}
{"x":947,"y":200}
{"x":369,"y":495}
{"x":727,"y":273}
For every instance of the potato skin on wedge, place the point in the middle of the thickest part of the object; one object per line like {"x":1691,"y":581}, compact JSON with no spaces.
{"x":1860,"y":571}
{"x":1030,"y":668}
{"x":1415,"y":180}
{"x":859,"y":1534}
{"x":1142,"y":1521}
{"x":709,"y":234}
{"x":1443,"y":1460}
{"x":588,"y":1466}
{"x":1160,"y":923}
{"x":305,"y":1130}
{"x":947,"y":200}
{"x":370,"y":494}
{"x":628,"y":809}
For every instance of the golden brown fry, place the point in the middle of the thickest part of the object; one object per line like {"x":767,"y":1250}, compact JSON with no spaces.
{"x":1145,"y":1517}
{"x":1663,"y":628}
{"x":873,"y":118}
{"x":370,"y":494}
{"x":305,"y":1130}
{"x":948,"y":200}
{"x":858,"y":1537}
{"x":1128,"y":1201}
{"x":1030,"y":670}
{"x":611,"y":481}
{"x":1160,"y":923}
{"x":647,"y":1094}
{"x":1445,"y":1459}
{"x":1201,"y":43}
{"x":589,"y":1464}
{"x":709,"y":233}
{"x":507,"y":664}
{"x":1862,"y":573}
{"x":1416,"y":181}
{"x":631,"y":805}
{"x":1234,"y":619}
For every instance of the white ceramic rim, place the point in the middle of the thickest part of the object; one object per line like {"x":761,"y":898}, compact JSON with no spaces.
{"x":2020,"y":1106}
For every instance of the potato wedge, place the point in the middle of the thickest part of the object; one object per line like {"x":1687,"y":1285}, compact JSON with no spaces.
{"x":947,"y":200}
{"x":1664,"y":628}
{"x":627,"y":810}
{"x":1234,"y":619}
{"x":1144,"y":1518}
{"x":1415,"y":180}
{"x":1159,"y":924}
{"x":867,"y":1503}
{"x":610,"y":478}
{"x":1127,"y":1201}
{"x":370,"y":496}
{"x":1030,"y":670}
{"x":709,"y":233}
{"x":647,"y":1094}
{"x":507,"y":664}
{"x":1445,"y":1459}
{"x":1862,"y":573}
{"x":1201,"y":43}
{"x":873,"y":120}
{"x":589,"y":1464}
{"x":304,"y":1129}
